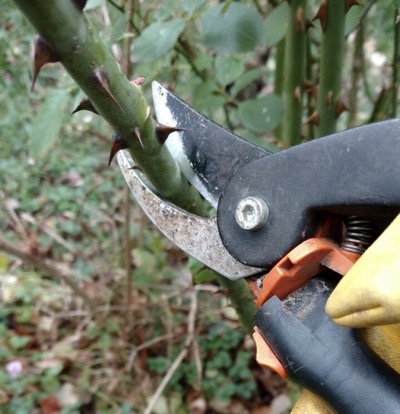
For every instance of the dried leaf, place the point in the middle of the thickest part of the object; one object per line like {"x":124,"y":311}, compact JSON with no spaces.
{"x":50,"y":405}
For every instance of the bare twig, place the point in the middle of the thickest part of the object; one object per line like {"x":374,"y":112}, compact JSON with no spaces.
{"x":178,"y":360}
{"x":19,"y":226}
{"x":46,"y":265}
{"x":50,"y":232}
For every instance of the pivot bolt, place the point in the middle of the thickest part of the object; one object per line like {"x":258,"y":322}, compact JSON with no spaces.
{"x":251,"y":213}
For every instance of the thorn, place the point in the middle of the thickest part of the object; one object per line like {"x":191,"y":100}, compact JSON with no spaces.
{"x":44,"y":53}
{"x":297,"y":94}
{"x":148,"y":113}
{"x":138,"y":81}
{"x":118,"y":144}
{"x":309,"y":24}
{"x":340,"y":108}
{"x":310,"y":89}
{"x":350,"y":3}
{"x":299,"y":19}
{"x":80,"y":4}
{"x":85,"y":105}
{"x":307,"y":85}
{"x":138,"y":135}
{"x":313,"y":119}
{"x":163,"y":131}
{"x":102,"y":83}
{"x":322,"y":14}
{"x":329,"y":99}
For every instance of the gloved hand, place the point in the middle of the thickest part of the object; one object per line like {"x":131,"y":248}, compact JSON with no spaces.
{"x":369,"y":294}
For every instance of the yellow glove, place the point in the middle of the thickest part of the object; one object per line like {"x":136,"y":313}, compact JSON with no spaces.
{"x":369,"y":294}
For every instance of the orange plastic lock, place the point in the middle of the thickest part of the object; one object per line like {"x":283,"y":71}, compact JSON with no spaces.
{"x":266,"y":357}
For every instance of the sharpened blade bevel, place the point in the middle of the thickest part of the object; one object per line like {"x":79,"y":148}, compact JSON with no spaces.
{"x":207,"y":154}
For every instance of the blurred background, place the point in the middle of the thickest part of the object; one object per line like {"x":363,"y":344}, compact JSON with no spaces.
{"x":96,"y":305}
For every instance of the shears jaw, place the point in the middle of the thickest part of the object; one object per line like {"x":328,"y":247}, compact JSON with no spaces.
{"x":207,"y":154}
{"x":197,"y":236}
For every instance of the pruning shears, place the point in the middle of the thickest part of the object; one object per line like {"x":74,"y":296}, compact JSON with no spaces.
{"x":291,"y":223}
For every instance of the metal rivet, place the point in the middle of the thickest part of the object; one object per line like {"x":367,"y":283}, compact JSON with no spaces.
{"x":251,"y":213}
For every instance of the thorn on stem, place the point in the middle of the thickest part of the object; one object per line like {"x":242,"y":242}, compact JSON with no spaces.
{"x":297,"y":94}
{"x":118,"y":144}
{"x":138,"y":135}
{"x":322,"y":14}
{"x":350,"y":3}
{"x":299,"y":20}
{"x":80,"y":4}
{"x":310,"y":89}
{"x":329,"y":99}
{"x":100,"y":79}
{"x":163,"y":131}
{"x":85,"y":105}
{"x":341,"y":107}
{"x":313,"y":119}
{"x":148,"y":113}
{"x":44,"y":53}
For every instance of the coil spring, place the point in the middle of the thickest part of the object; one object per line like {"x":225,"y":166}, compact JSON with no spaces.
{"x":359,"y":234}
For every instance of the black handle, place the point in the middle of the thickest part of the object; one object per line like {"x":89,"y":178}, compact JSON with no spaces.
{"x":354,"y":172}
{"x":329,"y":360}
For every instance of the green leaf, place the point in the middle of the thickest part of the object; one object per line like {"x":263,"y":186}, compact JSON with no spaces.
{"x":261,"y":115}
{"x":201,"y":273}
{"x":157,"y":40}
{"x":18,"y":341}
{"x":190,"y":6}
{"x":353,"y":18}
{"x":228,"y":69}
{"x":92,"y":4}
{"x":240,"y":29}
{"x":257,"y":140}
{"x":276,"y":24}
{"x":204,"y":98}
{"x":168,"y":9}
{"x":47,"y":124}
{"x":119,"y":26}
{"x":245,"y":80}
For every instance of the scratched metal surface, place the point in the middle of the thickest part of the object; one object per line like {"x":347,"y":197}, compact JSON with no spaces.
{"x":197,"y":236}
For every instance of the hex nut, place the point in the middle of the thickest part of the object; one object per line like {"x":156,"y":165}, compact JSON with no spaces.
{"x":251,"y":213}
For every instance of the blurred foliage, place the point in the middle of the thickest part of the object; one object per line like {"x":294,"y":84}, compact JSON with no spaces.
{"x":61,"y":202}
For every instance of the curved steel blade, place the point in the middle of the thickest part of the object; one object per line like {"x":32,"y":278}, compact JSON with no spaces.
{"x":208,"y":155}
{"x":195,"y":235}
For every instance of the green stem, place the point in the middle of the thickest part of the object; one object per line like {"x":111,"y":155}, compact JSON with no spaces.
{"x":243,"y":301}
{"x":278,"y":87}
{"x":82,"y":53}
{"x":294,"y":70}
{"x":331,"y":61}
{"x":310,"y":132}
{"x":396,"y":64}
{"x":355,"y":75}
{"x":180,"y":48}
